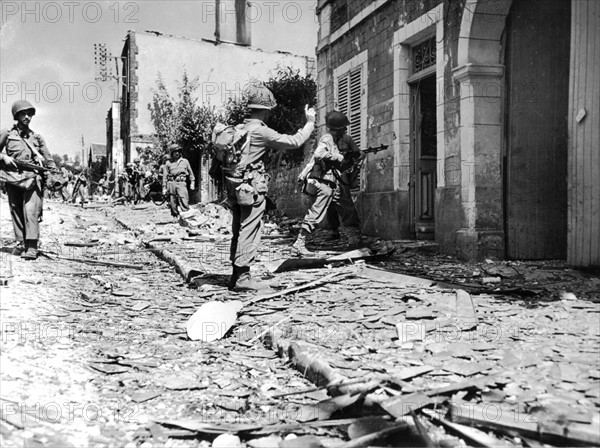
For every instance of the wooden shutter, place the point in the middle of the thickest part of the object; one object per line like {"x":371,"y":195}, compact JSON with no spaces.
{"x":349,"y":101}
{"x":355,"y":107}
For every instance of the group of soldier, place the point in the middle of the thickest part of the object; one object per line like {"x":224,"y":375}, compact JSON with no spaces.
{"x":324,"y":180}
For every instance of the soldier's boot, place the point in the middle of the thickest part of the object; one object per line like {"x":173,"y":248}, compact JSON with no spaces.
{"x":31,"y":250}
{"x":245,"y":282}
{"x":299,"y":247}
{"x":234,"y":277}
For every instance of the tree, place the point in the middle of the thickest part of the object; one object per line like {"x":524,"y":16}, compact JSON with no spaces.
{"x":292,"y":92}
{"x":181,"y":121}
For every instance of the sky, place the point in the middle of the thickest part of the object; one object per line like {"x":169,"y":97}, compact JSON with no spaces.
{"x":47,"y":52}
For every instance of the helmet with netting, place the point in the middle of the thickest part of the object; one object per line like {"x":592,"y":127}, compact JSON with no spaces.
{"x":259,"y":96}
{"x":336,"y":120}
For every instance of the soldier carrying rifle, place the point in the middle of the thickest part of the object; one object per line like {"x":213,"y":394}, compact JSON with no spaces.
{"x":327,"y":180}
{"x":24,"y":156}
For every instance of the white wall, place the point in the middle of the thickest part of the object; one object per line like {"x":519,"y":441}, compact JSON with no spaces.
{"x":222,"y":69}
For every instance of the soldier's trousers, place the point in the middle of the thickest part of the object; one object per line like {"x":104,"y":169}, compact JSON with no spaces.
{"x":178,"y":197}
{"x":342,"y":209}
{"x":25,"y":210}
{"x":335,"y":200}
{"x":246,"y":230}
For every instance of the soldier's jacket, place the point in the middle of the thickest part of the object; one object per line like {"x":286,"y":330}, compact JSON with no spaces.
{"x":19,"y":147}
{"x":178,"y":170}
{"x":262,"y":137}
{"x":331,"y":158}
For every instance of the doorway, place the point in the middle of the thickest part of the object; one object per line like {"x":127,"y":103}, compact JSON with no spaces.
{"x":423,"y":156}
{"x":536,"y":152}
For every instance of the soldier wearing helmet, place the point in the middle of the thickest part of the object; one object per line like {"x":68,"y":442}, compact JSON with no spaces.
{"x":136,"y":179}
{"x":24,"y":188}
{"x":177,"y":174}
{"x":247,"y":182}
{"x":335,"y":153}
{"x":79,"y":190}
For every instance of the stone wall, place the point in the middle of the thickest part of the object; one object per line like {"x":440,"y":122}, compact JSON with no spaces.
{"x":384,"y":202}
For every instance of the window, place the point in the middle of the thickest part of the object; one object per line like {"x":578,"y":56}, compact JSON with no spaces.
{"x":339,"y":14}
{"x":423,"y":55}
{"x":349,"y":101}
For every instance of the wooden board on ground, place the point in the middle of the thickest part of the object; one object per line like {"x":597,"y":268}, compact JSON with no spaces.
{"x":365,"y":254}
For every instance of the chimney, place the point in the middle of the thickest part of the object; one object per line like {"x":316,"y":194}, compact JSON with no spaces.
{"x":218,"y":20}
{"x":242,"y":25}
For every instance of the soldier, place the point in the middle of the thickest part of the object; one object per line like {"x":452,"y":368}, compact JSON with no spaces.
{"x":101,"y":186}
{"x":79,"y":188}
{"x":324,"y":183}
{"x":66,"y":175}
{"x":25,"y":200}
{"x":250,"y":172}
{"x":162,"y":173}
{"x":178,"y":171}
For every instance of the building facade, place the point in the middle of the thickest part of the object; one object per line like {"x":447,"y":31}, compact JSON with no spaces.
{"x":490,"y":110}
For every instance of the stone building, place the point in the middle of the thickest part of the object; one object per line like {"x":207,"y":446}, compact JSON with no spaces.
{"x":491,"y":112}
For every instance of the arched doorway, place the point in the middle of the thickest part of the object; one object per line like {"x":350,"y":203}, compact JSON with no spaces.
{"x":490,"y":190}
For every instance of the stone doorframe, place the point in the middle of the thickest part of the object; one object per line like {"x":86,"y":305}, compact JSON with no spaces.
{"x":480,"y":76}
{"x":429,"y":24}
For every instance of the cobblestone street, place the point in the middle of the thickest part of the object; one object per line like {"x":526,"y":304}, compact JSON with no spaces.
{"x":94,"y":350}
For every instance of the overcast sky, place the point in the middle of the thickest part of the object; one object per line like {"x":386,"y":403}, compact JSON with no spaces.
{"x":47,"y":52}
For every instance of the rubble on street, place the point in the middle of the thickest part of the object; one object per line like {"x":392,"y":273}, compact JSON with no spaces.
{"x":386,"y":344}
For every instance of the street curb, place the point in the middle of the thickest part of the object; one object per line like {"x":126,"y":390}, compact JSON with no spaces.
{"x":185,"y":269}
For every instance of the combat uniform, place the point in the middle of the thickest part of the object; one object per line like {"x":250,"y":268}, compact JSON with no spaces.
{"x":79,"y":189}
{"x":177,"y":173}
{"x":342,"y":210}
{"x":25,"y":205}
{"x":247,"y":219}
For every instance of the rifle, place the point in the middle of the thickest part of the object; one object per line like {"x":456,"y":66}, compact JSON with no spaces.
{"x":374,"y":150}
{"x":32,"y":166}
{"x":354,"y":169}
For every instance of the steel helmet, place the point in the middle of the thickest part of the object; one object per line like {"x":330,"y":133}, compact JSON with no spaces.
{"x":21,"y":105}
{"x":259,"y":97}
{"x":336,"y":120}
